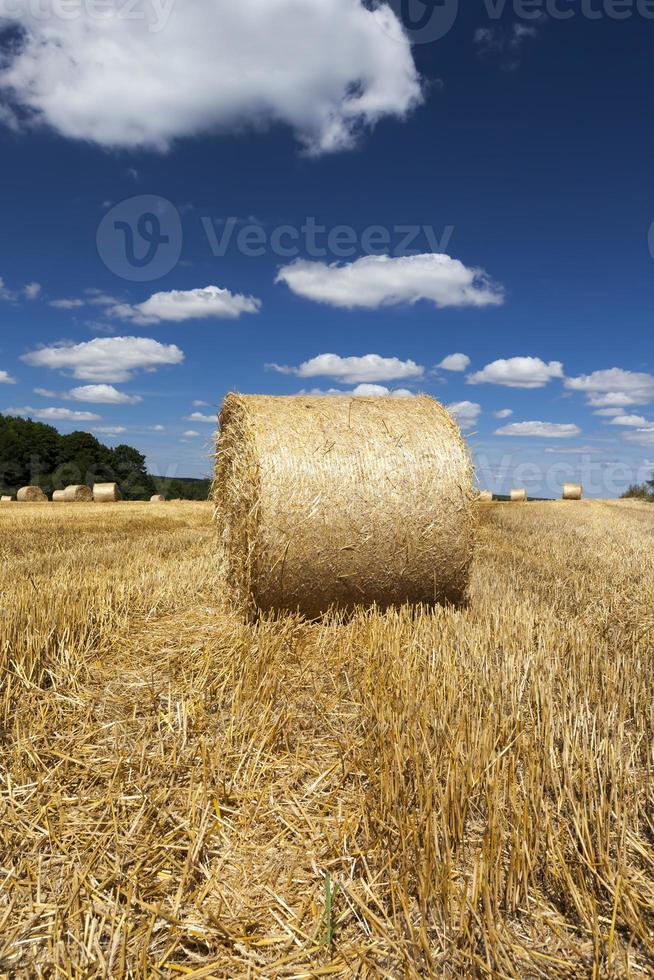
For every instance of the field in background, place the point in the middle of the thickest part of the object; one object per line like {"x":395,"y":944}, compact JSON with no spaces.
{"x":453,"y":793}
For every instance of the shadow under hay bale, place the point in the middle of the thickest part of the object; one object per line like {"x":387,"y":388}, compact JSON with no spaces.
{"x":31,"y":495}
{"x":329,"y":503}
{"x":78,"y":494}
{"x":106,"y":493}
{"x":573,"y":491}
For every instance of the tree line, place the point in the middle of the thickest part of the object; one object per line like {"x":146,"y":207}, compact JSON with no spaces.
{"x":35,"y":454}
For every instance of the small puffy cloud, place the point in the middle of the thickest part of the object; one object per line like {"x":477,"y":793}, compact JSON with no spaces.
{"x":614,"y":388}
{"x":380,"y":280}
{"x":198,"y":403}
{"x":326,"y":71}
{"x":5,"y":293}
{"x":66,"y":304}
{"x":354,"y":370}
{"x":608,"y":412}
{"x":199,"y":417}
{"x":110,"y":430}
{"x":542,"y":430}
{"x":518,"y":372}
{"x":106,"y":358}
{"x":466,"y":413}
{"x":178,"y":305}
{"x":32,"y":290}
{"x":157,"y":428}
{"x":190,"y":434}
{"x":6,"y":378}
{"x":54,"y":414}
{"x":455,"y":362}
{"x":375,"y":391}
{"x":632,"y":421}
{"x":503,"y":413}
{"x":102,"y":395}
{"x":641,"y":437}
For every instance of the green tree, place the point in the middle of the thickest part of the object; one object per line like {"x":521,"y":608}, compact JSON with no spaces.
{"x":131,"y":473}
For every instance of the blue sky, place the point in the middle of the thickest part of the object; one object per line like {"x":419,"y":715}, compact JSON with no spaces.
{"x":215,"y":196}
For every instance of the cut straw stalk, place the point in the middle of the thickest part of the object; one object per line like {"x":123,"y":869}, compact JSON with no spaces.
{"x":336,"y":502}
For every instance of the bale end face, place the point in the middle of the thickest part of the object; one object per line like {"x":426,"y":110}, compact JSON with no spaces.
{"x":338,"y":502}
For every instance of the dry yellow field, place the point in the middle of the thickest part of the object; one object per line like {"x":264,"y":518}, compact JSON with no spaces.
{"x":460,"y":792}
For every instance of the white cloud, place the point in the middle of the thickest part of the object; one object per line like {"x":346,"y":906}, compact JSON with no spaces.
{"x":66,"y":304}
{"x":199,"y":417}
{"x":465,"y":413}
{"x":608,"y":412}
{"x":632,"y":421}
{"x":190,"y":434}
{"x":572,"y":450}
{"x":518,"y":372}
{"x":6,"y":378}
{"x":158,"y":428}
{"x":326,"y":70}
{"x":54,"y":414}
{"x":545,"y":430}
{"x":374,"y":391}
{"x":32,"y":290}
{"x":5,"y":293}
{"x":102,"y":394}
{"x":641,"y":437}
{"x":193,"y":304}
{"x":503,"y":413}
{"x":198,"y":403}
{"x":109,"y":430}
{"x":455,"y":362}
{"x":614,"y":388}
{"x":106,"y":358}
{"x":354,"y":370}
{"x":380,"y":280}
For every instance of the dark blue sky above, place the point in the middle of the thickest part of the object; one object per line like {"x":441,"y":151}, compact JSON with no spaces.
{"x":531,"y":158}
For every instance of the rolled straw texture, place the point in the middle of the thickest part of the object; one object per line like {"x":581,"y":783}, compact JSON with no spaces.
{"x":335,"y":502}
{"x":573,"y":491}
{"x":31,"y":495}
{"x":105,"y":493}
{"x":157,"y":499}
{"x":78,"y":494}
{"x":519,"y":496}
{"x":59,"y":496}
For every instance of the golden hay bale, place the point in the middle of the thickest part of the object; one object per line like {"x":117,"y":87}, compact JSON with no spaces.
{"x":519,"y":496}
{"x":59,"y":496}
{"x":573,"y":491}
{"x":6,"y":500}
{"x":485,"y":497}
{"x":158,"y":498}
{"x":106,"y":493}
{"x":78,"y":494}
{"x":338,"y":501}
{"x":31,"y":495}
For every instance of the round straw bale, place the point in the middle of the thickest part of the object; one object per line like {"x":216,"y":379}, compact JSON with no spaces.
{"x":59,"y":496}
{"x":339,"y":501}
{"x":5,"y":500}
{"x":573,"y":491}
{"x":106,"y":493}
{"x":78,"y":494}
{"x":31,"y":495}
{"x":485,"y":497}
{"x":519,"y":496}
{"x":158,"y":498}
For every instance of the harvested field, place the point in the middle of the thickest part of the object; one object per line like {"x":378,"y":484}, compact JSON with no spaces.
{"x":451,"y":793}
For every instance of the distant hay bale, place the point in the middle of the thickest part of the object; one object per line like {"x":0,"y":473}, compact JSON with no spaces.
{"x":78,"y":494}
{"x":31,"y":495}
{"x":58,"y":497}
{"x":106,"y":493}
{"x":485,"y":497}
{"x":6,"y":500}
{"x":573,"y":491}
{"x":519,"y":496}
{"x":338,"y":501}
{"x":157,"y":498}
